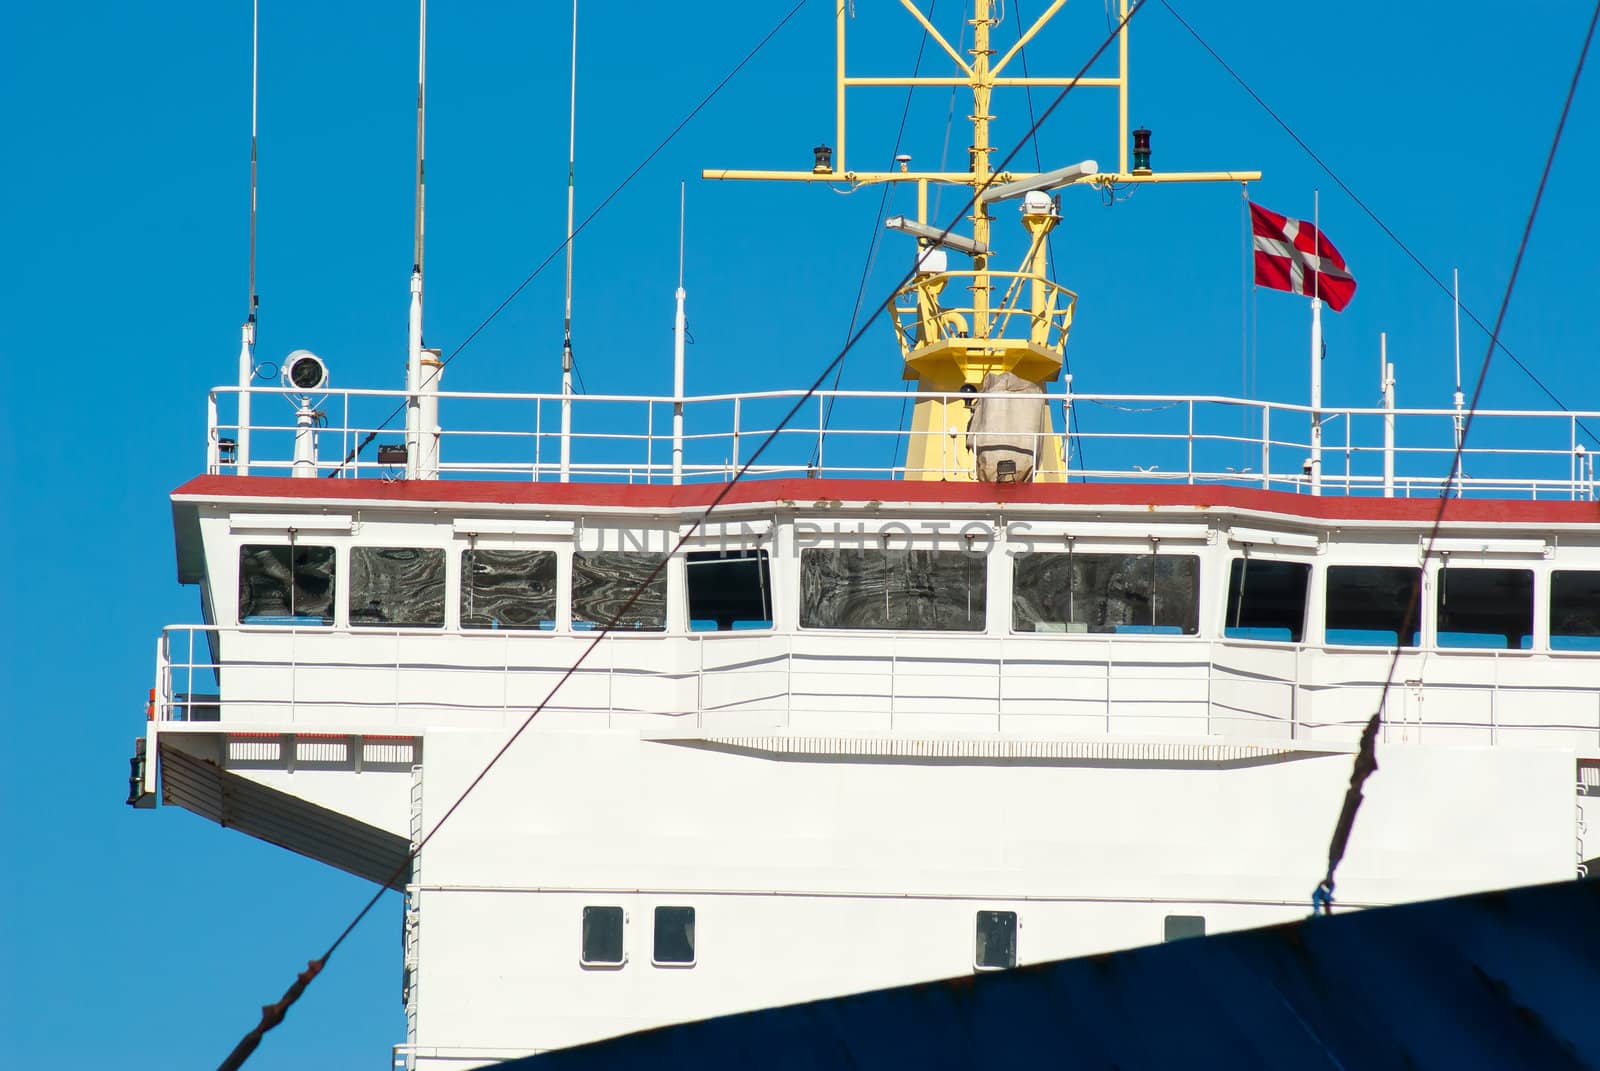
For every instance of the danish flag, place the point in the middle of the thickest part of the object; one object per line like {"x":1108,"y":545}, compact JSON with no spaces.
{"x":1293,"y":255}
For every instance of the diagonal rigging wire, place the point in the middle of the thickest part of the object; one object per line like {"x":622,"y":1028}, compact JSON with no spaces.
{"x":1366,"y":761}
{"x":877,"y":235}
{"x":1384,"y":227}
{"x":273,"y":1014}
{"x":520,"y":287}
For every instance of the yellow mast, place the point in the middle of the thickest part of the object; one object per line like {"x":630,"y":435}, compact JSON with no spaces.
{"x":949,"y":348}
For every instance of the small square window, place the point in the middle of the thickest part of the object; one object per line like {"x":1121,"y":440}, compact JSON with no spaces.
{"x":602,"y":937}
{"x":674,"y":944}
{"x":997,"y":940}
{"x":1178,"y":927}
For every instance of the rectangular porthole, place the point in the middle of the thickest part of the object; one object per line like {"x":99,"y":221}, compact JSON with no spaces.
{"x":921,"y":590}
{"x":1574,"y":610}
{"x":1485,"y":608}
{"x":996,"y":941}
{"x":1155,"y":594}
{"x":674,"y":937}
{"x":396,"y":587}
{"x":729,"y":591}
{"x":286,"y":585}
{"x":1266,"y":600}
{"x":1179,"y":927}
{"x":602,"y":937}
{"x":508,"y":589}
{"x":1368,"y":605}
{"x":603,"y":582}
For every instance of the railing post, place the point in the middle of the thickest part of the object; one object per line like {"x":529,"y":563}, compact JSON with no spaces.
{"x":822,"y":429}
{"x":1191,"y":441}
{"x":735,"y":438}
{"x":649,"y":441}
{"x":213,"y":443}
{"x":1266,"y":446}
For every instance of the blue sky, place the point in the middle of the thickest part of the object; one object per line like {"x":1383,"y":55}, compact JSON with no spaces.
{"x":123,"y":281}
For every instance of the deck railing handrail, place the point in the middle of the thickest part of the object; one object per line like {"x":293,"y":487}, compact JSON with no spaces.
{"x":1138,"y":437}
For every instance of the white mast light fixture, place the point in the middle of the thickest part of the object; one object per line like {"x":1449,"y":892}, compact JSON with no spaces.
{"x":1050,"y":180}
{"x":304,"y":371}
{"x":935,"y":236}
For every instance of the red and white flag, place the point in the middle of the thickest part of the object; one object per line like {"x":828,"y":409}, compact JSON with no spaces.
{"x":1293,"y":255}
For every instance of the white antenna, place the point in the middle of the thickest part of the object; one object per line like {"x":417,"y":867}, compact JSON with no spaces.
{"x":566,"y":336}
{"x":1459,"y":419}
{"x":1386,"y":384}
{"x":679,"y":331}
{"x":247,"y":334}
{"x":414,"y":332}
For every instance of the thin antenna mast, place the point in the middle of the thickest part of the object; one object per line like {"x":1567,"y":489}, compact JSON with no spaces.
{"x":414,"y":334}
{"x":566,"y":336}
{"x":247,"y":334}
{"x":1315,"y":464}
{"x":679,"y":332}
{"x":1460,"y":419}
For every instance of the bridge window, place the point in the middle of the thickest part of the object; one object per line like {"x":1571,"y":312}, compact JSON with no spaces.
{"x":934,"y":590}
{"x":1266,"y":600}
{"x":286,"y":585}
{"x":1485,"y":607}
{"x":997,"y":941}
{"x":1179,"y":927}
{"x":1132,"y":593}
{"x":396,"y":587}
{"x":602,"y":937}
{"x":508,"y":589}
{"x":603,"y":582}
{"x":1368,"y":605}
{"x":674,"y":943}
{"x":1574,"y":610}
{"x":729,"y":590}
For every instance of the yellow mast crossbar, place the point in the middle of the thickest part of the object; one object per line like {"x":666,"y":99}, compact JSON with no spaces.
{"x":964,"y":178}
{"x":955,"y":327}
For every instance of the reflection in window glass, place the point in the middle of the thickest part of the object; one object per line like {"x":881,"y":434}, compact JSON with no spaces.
{"x":397,"y":587}
{"x":940,"y":590}
{"x":286,"y":585}
{"x":1071,"y":592}
{"x":997,"y":940}
{"x":1485,"y":607}
{"x":1575,"y":610}
{"x":508,"y":588}
{"x":603,"y":582}
{"x":1180,"y":927}
{"x":1368,"y":605}
{"x":674,"y":935}
{"x":602,"y":935}
{"x":729,"y":590}
{"x":1266,"y":599}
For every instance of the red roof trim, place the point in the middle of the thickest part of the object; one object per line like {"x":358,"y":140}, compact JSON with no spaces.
{"x":805,"y":492}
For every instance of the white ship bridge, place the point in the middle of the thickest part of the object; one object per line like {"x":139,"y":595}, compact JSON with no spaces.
{"x":854,"y":712}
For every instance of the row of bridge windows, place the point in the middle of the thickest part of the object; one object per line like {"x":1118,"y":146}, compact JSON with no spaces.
{"x":673,"y":937}
{"x":918,"y":590}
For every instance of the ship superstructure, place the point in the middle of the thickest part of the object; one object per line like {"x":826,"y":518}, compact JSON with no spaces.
{"x":862,"y":725}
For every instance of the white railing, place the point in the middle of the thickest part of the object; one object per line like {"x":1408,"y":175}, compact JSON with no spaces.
{"x":267,"y":677}
{"x":1113,"y":437}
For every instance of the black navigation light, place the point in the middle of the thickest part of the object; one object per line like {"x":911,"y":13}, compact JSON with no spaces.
{"x":1141,"y":151}
{"x":824,"y":160}
{"x":391,"y":453}
{"x":227,"y":451}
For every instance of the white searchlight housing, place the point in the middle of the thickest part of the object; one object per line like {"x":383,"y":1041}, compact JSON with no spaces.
{"x":304,"y":371}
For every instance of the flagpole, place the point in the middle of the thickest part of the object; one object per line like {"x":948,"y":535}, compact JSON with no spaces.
{"x":1460,"y":399}
{"x":1316,"y":350}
